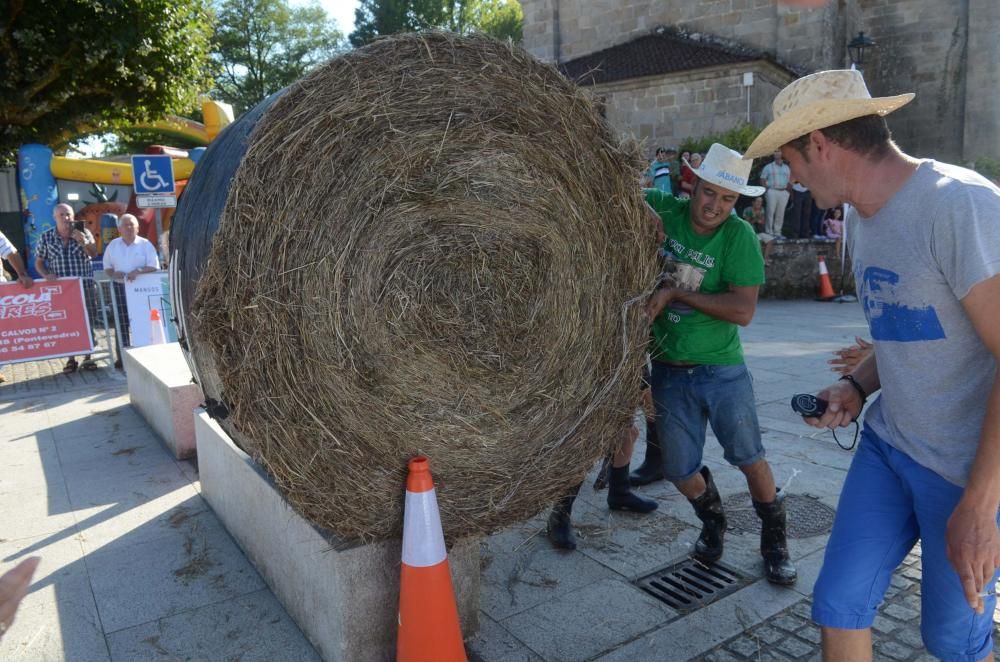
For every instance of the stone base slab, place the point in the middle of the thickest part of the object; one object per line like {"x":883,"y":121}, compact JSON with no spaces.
{"x":160,"y":387}
{"x":343,"y":596}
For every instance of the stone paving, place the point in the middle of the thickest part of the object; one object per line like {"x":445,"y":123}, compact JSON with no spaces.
{"x":42,"y":377}
{"x":136,"y":566}
{"x":791,"y":635}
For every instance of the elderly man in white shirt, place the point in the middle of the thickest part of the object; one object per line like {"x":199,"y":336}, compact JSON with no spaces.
{"x":129,"y":255}
{"x":125,"y":258}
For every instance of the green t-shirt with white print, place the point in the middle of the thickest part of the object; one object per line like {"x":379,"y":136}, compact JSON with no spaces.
{"x":701,"y":263}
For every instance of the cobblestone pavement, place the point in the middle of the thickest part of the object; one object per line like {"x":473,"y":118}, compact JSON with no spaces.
{"x":791,"y":635}
{"x":40,"y":377}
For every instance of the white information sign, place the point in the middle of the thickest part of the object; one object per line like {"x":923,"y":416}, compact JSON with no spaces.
{"x":149,"y":292}
{"x":154,"y":201}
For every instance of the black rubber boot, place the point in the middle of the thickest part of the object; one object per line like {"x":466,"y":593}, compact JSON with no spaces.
{"x":621,"y":496}
{"x":708,"y":507}
{"x":778,"y":566}
{"x":560,"y":525}
{"x":651,"y":469}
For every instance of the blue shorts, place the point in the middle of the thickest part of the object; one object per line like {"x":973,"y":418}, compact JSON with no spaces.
{"x":888,"y":502}
{"x":687,"y":399}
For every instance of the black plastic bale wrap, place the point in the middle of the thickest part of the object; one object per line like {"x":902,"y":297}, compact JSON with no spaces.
{"x":431,"y":245}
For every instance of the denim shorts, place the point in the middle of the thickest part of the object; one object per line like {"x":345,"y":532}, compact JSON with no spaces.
{"x":888,"y":502}
{"x":689,"y":398}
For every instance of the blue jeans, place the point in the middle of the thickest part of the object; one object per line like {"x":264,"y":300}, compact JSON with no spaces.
{"x":888,"y":502}
{"x":689,"y":398}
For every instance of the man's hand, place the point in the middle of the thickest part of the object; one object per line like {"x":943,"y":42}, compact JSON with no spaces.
{"x":847,"y":357}
{"x":51,"y":276}
{"x":843,"y":406}
{"x":659,"y":300}
{"x":26,"y":281}
{"x":973,"y":547}
{"x":132,"y":274}
{"x":79,"y":237}
{"x":13,"y":586}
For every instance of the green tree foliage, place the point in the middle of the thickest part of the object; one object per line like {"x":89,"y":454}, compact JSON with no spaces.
{"x":988,"y":168}
{"x":262,"y":46}
{"x":738,"y":138}
{"x":68,"y":64}
{"x":376,"y":18}
{"x":503,"y":19}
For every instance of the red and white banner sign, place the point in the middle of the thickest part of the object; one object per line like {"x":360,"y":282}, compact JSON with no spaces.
{"x":48,"y":320}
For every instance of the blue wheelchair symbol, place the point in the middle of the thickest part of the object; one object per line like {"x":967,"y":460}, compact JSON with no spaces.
{"x":152,"y":174}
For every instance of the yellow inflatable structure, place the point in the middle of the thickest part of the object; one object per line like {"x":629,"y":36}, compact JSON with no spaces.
{"x":107,"y":172}
{"x":217,"y":116}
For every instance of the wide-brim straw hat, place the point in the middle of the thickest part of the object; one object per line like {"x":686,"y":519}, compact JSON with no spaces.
{"x":726,"y":168}
{"x":817,"y":101}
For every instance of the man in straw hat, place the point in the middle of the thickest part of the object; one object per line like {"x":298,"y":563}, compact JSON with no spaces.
{"x":713,"y":270}
{"x":924,"y":239}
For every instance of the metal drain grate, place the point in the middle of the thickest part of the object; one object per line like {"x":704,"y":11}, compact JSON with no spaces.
{"x":691,"y":584}
{"x":807,"y":515}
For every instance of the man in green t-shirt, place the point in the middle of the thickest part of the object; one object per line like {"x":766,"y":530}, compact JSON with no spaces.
{"x":712,"y":272}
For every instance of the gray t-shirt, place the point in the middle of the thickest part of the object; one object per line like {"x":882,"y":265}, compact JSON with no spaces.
{"x":913,"y":262}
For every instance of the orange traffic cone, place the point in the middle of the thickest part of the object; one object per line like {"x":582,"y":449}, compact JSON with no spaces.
{"x":825,"y":286}
{"x":429,"y":630}
{"x":157,"y":335}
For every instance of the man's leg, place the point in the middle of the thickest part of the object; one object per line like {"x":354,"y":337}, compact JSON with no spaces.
{"x":874,"y":529}
{"x":651,"y":468}
{"x":798,"y":198}
{"x":681,"y":425}
{"x":770,"y":205}
{"x":780,"y":207}
{"x":560,"y":523}
{"x":732,"y":412}
{"x":854,"y":645}
{"x":620,"y":494}
{"x":760,"y":480}
{"x":951,"y":629}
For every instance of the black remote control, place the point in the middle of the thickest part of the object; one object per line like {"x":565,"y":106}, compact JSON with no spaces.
{"x":808,"y":405}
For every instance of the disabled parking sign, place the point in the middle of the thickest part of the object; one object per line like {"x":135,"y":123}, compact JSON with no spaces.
{"x":152,"y":173}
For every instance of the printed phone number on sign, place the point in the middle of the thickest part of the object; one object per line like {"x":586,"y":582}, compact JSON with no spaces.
{"x":28,"y":344}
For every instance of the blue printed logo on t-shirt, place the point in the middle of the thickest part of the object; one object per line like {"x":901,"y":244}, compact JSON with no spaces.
{"x":893,"y":319}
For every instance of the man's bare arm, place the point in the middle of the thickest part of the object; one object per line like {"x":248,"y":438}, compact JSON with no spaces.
{"x":737,"y":305}
{"x":973,"y":542}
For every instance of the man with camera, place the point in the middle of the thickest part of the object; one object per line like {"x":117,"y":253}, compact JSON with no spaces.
{"x":924,"y":241}
{"x":66,"y":251}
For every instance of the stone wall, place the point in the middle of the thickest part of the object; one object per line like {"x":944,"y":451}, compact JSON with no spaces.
{"x":922,"y":48}
{"x":663,"y":110}
{"x":982,"y":84}
{"x":947,"y":52}
{"x":794,"y":270}
{"x":585,"y":26}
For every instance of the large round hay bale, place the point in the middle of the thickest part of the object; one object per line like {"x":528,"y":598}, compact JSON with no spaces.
{"x":434,"y":244}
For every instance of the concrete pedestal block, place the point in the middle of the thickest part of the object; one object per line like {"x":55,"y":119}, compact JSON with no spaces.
{"x":344,"y":596}
{"x":159,"y":385}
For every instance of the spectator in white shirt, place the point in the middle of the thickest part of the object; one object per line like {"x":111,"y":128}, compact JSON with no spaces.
{"x":129,"y":255}
{"x":125,"y":258}
{"x":775,"y":176}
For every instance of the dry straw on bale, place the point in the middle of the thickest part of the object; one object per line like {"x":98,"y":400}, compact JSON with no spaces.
{"x":433,"y":245}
